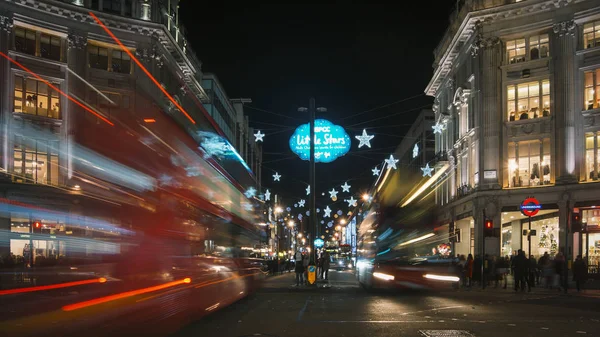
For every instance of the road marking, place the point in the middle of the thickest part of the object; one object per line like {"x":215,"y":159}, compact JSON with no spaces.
{"x":582,"y":332}
{"x":301,"y":313}
{"x":545,"y":328}
{"x":436,"y":309}
{"x":385,"y":322}
{"x":512,"y":324}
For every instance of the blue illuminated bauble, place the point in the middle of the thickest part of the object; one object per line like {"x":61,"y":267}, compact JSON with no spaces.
{"x":319,"y":243}
{"x":331,"y":141}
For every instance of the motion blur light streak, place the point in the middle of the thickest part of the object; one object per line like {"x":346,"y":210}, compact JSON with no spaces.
{"x":109,"y":298}
{"x":91,"y":86}
{"x":125,"y":49}
{"x":58,"y":90}
{"x":149,"y":120}
{"x":420,"y":238}
{"x":442,"y":278}
{"x":428,"y":183}
{"x":51,"y":286}
{"x":383,"y":276}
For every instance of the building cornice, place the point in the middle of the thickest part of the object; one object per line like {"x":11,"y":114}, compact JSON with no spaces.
{"x":468,"y":28}
{"x":187,"y":64}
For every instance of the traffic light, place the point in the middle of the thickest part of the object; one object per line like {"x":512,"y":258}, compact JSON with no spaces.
{"x":488,"y":228}
{"x":575,"y":222}
{"x":37,"y":227}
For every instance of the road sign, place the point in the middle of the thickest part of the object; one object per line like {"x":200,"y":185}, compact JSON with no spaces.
{"x":319,"y":243}
{"x":312,"y":274}
{"x":530,"y":207}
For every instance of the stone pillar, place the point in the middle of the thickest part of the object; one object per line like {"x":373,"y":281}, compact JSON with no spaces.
{"x":6,"y":26}
{"x":77,"y":62}
{"x":565,"y":207}
{"x":490,"y":58}
{"x":564,"y":100}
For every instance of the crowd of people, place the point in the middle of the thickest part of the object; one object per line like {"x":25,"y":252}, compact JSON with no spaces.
{"x":300,"y":264}
{"x":526,"y":272}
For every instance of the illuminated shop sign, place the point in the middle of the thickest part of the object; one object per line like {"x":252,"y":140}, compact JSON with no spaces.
{"x":331,"y":141}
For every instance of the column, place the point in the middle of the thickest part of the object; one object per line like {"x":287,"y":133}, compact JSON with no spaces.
{"x":489,"y":61}
{"x":6,"y":26}
{"x":564,"y":100}
{"x":565,"y":208}
{"x":76,"y":60}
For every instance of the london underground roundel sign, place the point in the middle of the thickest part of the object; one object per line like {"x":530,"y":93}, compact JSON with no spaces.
{"x":331,"y":141}
{"x":530,"y":207}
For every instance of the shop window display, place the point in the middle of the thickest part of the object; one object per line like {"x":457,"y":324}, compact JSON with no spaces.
{"x":546,"y":238}
{"x":591,"y":239}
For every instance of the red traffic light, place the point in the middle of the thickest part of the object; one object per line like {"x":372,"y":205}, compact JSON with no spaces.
{"x":488,"y":224}
{"x":37,"y":224}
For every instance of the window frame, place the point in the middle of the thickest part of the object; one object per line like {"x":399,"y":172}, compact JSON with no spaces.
{"x":596,"y":37}
{"x":595,"y":151}
{"x":52,"y":96}
{"x":595,"y":73}
{"x":527,"y":39}
{"x":38,"y":34}
{"x":51,"y":155}
{"x":543,"y":156}
{"x":110,"y":50}
{"x":515,"y":100}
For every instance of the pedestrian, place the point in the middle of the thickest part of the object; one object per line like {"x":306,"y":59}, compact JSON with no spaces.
{"x":580,"y":272}
{"x":532,"y":272}
{"x":326,"y":263}
{"x":469,"y":270}
{"x":559,"y":261}
{"x":520,"y":267}
{"x":299,"y":268}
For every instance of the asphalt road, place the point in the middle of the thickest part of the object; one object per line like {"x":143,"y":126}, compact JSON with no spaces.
{"x":345,"y":309}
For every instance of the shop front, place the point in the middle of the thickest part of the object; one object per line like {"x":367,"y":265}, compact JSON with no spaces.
{"x":544,"y":237}
{"x":590,"y":240}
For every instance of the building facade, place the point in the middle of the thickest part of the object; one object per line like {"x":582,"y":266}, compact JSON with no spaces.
{"x":516,"y":111}
{"x":68,"y":82}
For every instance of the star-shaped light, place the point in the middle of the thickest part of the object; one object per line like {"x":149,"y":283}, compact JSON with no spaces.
{"x":437,"y":128}
{"x":333,"y":193}
{"x":346,"y":187}
{"x":375,"y":171}
{"x":308,"y":190}
{"x":364,"y":139}
{"x":258,"y":137}
{"x":416,"y":151}
{"x":426,"y":170}
{"x":391,"y":162}
{"x":247,"y":206}
{"x":267,"y":195}
{"x":250,"y":192}
{"x":276,"y":176}
{"x":351,"y":202}
{"x":327,"y":212}
{"x":301,"y":203}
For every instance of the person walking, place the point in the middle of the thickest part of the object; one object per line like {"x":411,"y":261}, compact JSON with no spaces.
{"x":580,"y":272}
{"x":299,"y":268}
{"x":326,"y":263}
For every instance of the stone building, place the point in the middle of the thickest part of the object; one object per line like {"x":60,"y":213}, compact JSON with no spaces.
{"x":516,"y":106}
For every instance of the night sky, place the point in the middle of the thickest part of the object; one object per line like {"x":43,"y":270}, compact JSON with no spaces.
{"x":351,"y":58}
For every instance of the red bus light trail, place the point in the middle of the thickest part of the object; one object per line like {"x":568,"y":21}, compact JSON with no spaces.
{"x":58,"y":90}
{"x":119,"y":296}
{"x":125,"y":49}
{"x":51,"y":286}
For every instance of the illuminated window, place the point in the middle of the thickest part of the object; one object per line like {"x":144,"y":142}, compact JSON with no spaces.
{"x":35,"y":97}
{"x":515,"y":50}
{"x":591,"y":94}
{"x":528,"y":100}
{"x":35,"y":161}
{"x":529,"y":163}
{"x":592,"y":155}
{"x":539,"y":47}
{"x":591,"y":35}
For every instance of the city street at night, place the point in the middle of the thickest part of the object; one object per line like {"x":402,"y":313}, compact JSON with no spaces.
{"x":345,"y":309}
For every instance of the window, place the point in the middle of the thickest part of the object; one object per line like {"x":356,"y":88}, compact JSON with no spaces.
{"x":529,"y":163}
{"x":128,"y":7}
{"x":25,"y":40}
{"x":121,"y":63}
{"x":592,"y":155}
{"x":538,"y":47}
{"x":592,"y":85}
{"x":35,"y":97}
{"x":591,"y":35}
{"x":110,"y":59}
{"x":35,"y":161}
{"x":98,"y":57}
{"x":530,"y":48}
{"x":515,"y":50}
{"x":50,"y":47}
{"x":523,"y":100}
